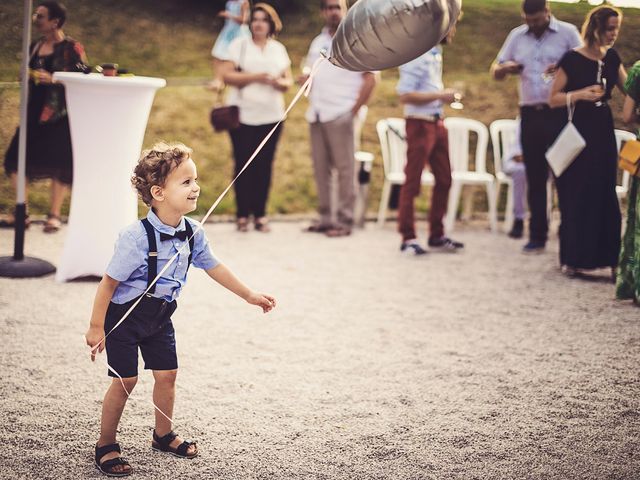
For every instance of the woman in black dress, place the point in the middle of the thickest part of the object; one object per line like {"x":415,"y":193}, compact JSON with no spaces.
{"x":590,"y":229}
{"x":48,"y":138}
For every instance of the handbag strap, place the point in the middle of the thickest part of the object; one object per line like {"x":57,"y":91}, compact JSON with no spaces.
{"x":570,"y":107}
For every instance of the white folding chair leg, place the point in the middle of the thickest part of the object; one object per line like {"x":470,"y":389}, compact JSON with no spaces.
{"x":467,"y":203}
{"x":508,"y":212}
{"x":493,"y":210}
{"x":384,"y":202}
{"x":452,"y":210}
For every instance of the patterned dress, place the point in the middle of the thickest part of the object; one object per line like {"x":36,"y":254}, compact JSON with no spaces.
{"x":48,"y":137}
{"x":628,"y":280}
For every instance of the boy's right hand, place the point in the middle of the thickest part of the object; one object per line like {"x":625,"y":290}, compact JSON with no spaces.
{"x":95,"y":336}
{"x":264,"y":301}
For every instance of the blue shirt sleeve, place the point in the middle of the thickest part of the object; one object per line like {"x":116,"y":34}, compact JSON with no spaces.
{"x":127,"y":257}
{"x":202,"y":256}
{"x":506,"y":52}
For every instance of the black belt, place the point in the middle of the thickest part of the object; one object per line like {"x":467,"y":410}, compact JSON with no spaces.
{"x":538,"y":107}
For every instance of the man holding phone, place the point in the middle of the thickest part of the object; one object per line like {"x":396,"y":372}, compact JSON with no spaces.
{"x":532,"y":51}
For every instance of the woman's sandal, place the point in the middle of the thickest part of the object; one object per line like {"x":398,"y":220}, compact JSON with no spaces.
{"x":242,"y":224}
{"x":262,"y":225}
{"x":10,"y":221}
{"x":162,"y":444}
{"x":52,"y":224}
{"x":107,"y":466}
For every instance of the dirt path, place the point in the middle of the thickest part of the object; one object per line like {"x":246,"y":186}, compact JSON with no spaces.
{"x":486,"y":364}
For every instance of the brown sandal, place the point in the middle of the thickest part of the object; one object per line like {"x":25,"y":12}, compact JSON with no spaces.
{"x":107,"y":467}
{"x":53,"y":223}
{"x":262,"y":225}
{"x":242,"y":224}
{"x":10,"y":221}
{"x":163,"y":444}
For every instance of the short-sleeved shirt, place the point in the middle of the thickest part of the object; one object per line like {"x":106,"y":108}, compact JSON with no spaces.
{"x":259,"y":104}
{"x":129,"y":262}
{"x":536,"y":55}
{"x":422,"y":75}
{"x":334,"y":90}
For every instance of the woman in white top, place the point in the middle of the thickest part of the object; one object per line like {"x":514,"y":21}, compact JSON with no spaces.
{"x":259,"y":72}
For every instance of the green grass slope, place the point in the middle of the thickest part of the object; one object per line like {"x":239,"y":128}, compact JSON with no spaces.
{"x":173,"y":40}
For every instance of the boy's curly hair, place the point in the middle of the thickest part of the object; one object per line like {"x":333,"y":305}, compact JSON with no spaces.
{"x":155,"y":165}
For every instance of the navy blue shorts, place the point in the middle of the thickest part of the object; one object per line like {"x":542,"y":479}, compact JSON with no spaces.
{"x":148,"y":327}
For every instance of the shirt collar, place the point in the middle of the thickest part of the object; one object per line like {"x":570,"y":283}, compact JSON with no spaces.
{"x":553,"y":25}
{"x":161,"y":227}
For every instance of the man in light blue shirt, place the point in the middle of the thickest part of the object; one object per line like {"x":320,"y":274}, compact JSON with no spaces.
{"x":422,"y":93}
{"x":532,"y":51}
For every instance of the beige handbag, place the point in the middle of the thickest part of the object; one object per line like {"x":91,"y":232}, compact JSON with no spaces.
{"x":567,"y":145}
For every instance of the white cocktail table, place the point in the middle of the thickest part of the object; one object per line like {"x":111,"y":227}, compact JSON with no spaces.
{"x":108,"y":117}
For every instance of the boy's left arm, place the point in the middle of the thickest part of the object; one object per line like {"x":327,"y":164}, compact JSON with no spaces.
{"x":225,"y":277}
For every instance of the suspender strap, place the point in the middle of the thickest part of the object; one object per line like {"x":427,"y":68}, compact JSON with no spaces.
{"x":152,"y":260}
{"x":191,"y":240}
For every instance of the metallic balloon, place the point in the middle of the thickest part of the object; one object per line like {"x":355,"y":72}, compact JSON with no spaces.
{"x":379,"y":34}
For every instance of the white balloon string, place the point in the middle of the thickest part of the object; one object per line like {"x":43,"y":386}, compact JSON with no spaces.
{"x":303,"y":90}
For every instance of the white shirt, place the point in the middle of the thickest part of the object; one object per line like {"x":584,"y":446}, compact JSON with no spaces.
{"x":536,"y":54}
{"x":259,"y":104}
{"x":334,"y":90}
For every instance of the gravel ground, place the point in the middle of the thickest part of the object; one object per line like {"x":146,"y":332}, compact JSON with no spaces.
{"x":486,"y":364}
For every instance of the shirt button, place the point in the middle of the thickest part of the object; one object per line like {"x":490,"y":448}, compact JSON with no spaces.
{"x":179,"y":263}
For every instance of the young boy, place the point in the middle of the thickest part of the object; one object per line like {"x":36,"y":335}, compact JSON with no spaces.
{"x":166,"y":180}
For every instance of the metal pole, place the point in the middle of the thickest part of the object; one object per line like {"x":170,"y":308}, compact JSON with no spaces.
{"x":21,"y":208}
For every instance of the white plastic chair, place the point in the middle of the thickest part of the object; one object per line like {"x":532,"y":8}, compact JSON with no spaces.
{"x":503,"y":134}
{"x":391,"y":132}
{"x":364,"y":162}
{"x":461,"y":173}
{"x":623,"y":188}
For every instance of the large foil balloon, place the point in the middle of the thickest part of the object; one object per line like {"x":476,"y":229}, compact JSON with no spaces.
{"x":379,"y":34}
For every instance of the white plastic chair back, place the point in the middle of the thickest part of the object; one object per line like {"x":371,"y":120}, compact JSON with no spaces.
{"x":459,"y":130}
{"x":391,"y":132}
{"x":503,"y":133}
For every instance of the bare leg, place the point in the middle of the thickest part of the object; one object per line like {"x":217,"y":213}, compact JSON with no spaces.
{"x":112,"y":407}
{"x":58,"y":193}
{"x":217,"y":84}
{"x":164,"y":395}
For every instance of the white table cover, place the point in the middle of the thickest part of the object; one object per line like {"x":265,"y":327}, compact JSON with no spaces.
{"x":107,"y":117}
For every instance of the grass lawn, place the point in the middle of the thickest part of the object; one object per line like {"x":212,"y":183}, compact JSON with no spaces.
{"x":171,"y":40}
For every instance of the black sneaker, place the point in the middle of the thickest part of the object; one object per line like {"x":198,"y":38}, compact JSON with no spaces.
{"x":412,"y":247}
{"x":445,"y":244}
{"x":534,"y":247}
{"x":517,"y":229}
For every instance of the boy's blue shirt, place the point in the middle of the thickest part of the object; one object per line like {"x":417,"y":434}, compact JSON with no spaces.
{"x":129,"y":262}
